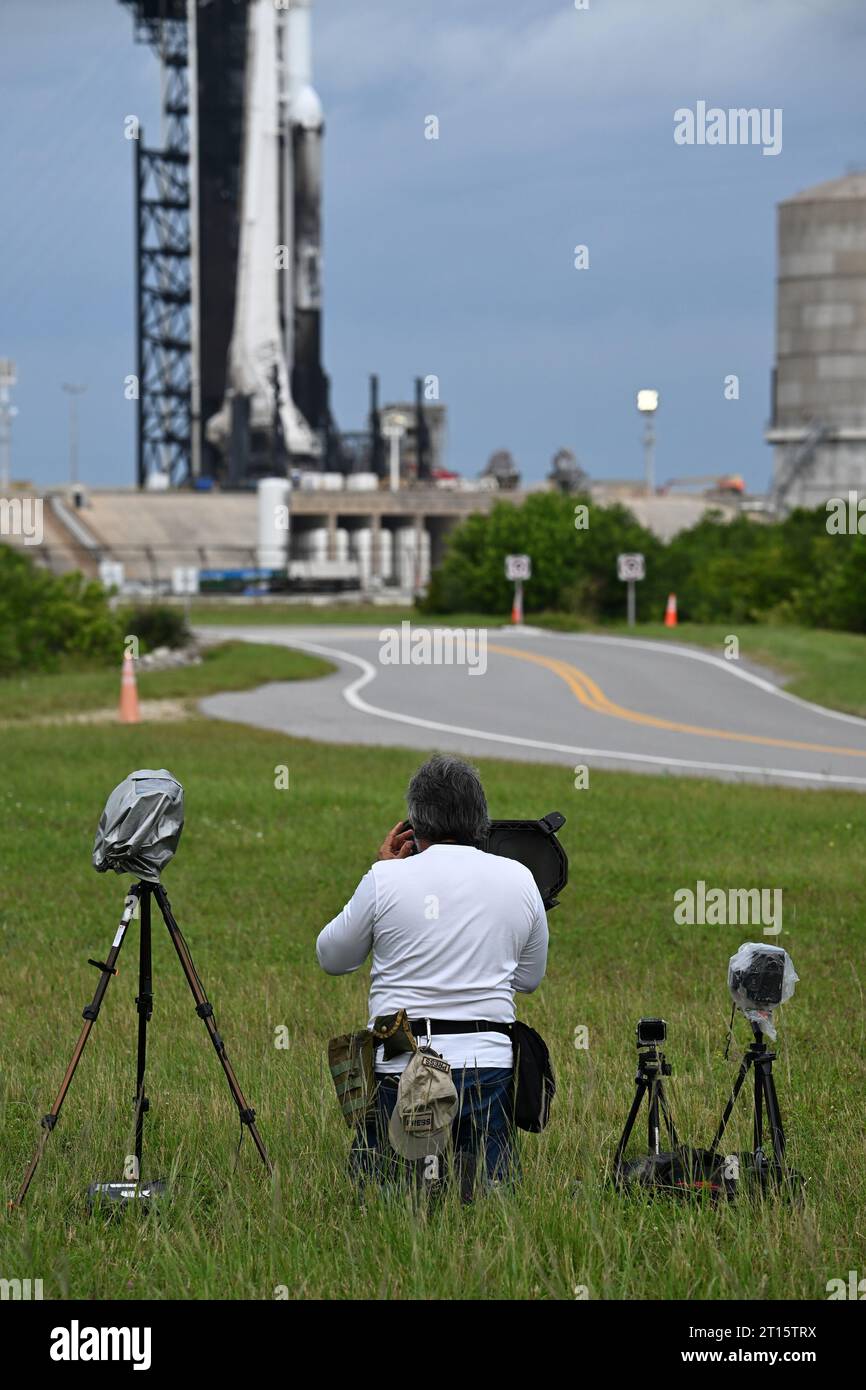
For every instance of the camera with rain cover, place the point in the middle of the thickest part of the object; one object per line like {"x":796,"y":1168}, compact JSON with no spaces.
{"x":138,"y":833}
{"x":761,"y":978}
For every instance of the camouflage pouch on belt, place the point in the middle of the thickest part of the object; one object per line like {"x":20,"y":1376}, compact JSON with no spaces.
{"x":393,"y":1031}
{"x":350,"y":1061}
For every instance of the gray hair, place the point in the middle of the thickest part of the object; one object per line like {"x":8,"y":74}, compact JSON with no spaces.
{"x":446,"y":801}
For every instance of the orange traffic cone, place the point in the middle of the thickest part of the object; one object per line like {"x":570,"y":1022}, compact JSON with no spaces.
{"x":671,"y":611}
{"x":129,"y":712}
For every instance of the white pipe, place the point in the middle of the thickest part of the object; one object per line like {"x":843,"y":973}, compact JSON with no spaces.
{"x":273,"y":519}
{"x":300,"y":64}
{"x":194,"y":245}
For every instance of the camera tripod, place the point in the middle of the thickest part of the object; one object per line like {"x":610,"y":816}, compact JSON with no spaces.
{"x":651,"y":1068}
{"x":142,"y":894}
{"x":759,"y":1056}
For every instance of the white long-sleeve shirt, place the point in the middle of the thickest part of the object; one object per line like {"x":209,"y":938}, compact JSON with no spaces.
{"x":454,"y":932}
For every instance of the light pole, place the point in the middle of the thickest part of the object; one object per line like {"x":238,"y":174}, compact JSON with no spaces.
{"x":648,"y":404}
{"x":393,"y":430}
{"x":73,"y":392}
{"x":8,"y":378}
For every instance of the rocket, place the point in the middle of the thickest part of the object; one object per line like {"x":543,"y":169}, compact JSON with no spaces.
{"x":276,"y":401}
{"x":309,"y":384}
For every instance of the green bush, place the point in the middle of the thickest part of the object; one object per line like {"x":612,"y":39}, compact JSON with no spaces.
{"x":46,"y":619}
{"x":156,"y":625}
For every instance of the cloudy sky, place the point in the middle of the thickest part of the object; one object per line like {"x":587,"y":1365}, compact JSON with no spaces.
{"x":456,"y":256}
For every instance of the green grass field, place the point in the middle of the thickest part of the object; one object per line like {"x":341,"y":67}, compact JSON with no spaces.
{"x":229,"y":666}
{"x":259,"y":871}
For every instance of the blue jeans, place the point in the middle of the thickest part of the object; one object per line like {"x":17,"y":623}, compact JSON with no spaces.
{"x":482,"y":1133}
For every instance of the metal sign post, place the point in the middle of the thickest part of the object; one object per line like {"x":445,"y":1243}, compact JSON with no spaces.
{"x":629,"y":569}
{"x":518,"y":568}
{"x":185,"y":583}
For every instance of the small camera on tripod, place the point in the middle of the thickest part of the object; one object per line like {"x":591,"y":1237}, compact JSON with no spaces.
{"x":651,"y":1031}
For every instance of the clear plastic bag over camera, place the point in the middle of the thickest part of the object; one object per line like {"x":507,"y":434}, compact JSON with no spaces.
{"x":141,"y":825}
{"x":747,"y":958}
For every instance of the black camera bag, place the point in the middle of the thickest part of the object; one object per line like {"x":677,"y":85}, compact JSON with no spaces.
{"x":534,"y":1082}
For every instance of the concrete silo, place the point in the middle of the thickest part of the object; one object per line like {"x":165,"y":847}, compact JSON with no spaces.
{"x":818,"y":429}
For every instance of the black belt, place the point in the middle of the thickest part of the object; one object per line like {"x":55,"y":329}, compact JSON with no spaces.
{"x":424,"y":1027}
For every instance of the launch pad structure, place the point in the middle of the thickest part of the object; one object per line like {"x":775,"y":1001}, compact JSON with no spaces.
{"x":229,"y":256}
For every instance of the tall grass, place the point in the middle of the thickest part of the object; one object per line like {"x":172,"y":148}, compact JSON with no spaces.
{"x":258,"y":873}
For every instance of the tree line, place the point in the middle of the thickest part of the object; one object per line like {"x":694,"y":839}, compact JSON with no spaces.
{"x":742,"y":570}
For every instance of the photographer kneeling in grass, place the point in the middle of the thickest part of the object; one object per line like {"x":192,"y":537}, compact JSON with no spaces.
{"x":454,"y":932}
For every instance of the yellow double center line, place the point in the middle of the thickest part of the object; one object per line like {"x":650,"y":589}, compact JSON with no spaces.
{"x":594,"y":698}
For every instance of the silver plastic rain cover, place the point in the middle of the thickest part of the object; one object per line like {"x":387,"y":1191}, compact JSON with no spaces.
{"x":140,"y":828}
{"x":746,"y":968}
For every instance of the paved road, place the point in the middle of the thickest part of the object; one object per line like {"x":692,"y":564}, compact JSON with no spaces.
{"x":559,"y":698}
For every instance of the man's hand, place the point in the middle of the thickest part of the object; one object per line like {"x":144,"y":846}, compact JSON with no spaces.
{"x":397,"y":844}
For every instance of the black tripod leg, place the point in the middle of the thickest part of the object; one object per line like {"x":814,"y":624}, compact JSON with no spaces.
{"x":629,"y":1124}
{"x":758,"y":1121}
{"x":144,"y":1005}
{"x":668,"y":1118}
{"x":774,"y":1117}
{"x":90,"y":1013}
{"x":653,"y":1116}
{"x":738,"y":1086}
{"x":205,"y":1012}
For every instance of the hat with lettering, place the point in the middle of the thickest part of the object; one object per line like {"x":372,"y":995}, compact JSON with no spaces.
{"x":426,"y":1105}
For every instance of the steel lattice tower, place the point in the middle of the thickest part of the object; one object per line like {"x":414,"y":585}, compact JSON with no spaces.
{"x":163,"y":283}
{"x":187,"y":229}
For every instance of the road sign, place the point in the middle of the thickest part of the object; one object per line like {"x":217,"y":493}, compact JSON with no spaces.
{"x":111,"y":574}
{"x":630,"y":567}
{"x":518,"y":567}
{"x":184,"y":579}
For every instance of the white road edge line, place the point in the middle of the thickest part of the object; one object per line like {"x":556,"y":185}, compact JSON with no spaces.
{"x":368,"y":673}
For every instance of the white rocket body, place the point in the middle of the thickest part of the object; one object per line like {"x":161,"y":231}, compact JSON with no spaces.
{"x":304,"y":153}
{"x":268,"y":282}
{"x":307,"y":125}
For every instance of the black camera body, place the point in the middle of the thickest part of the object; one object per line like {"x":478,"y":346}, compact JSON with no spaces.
{"x":761,"y":981}
{"x":651,"y":1032}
